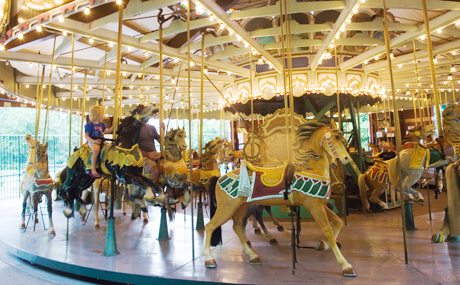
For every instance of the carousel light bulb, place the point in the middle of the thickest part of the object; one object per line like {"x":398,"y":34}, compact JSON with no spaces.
{"x":363,"y":1}
{"x":146,"y":54}
{"x":365,"y":62}
{"x":20,"y":20}
{"x":439,"y":31}
{"x":91,"y":40}
{"x":376,"y":57}
{"x":61,"y":19}
{"x":205,"y":71}
{"x":192,"y":64}
{"x":449,"y":77}
{"x":27,"y":85}
{"x":65,"y":34}
{"x":20,"y":36}
{"x":130,"y":48}
{"x":453,"y":69}
{"x":39,"y":28}
{"x":2,"y":47}
{"x":222,"y":26}
{"x":119,"y":2}
{"x":211,"y":18}
{"x":110,"y":45}
{"x":58,"y":2}
{"x":422,"y":37}
{"x":457,"y":24}
{"x":400,"y":65}
{"x":435,"y":61}
{"x":31,"y":65}
{"x":87,"y":11}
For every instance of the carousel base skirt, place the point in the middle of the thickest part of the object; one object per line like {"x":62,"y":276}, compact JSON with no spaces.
{"x":372,"y":244}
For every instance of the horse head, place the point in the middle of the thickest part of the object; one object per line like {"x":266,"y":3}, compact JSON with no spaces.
{"x":177,"y":137}
{"x":320,"y":139}
{"x":41,"y":160}
{"x":213,"y":146}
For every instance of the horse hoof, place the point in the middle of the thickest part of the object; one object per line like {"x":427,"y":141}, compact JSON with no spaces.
{"x":96,"y":226}
{"x":210,"y":263}
{"x":438,"y":238}
{"x":124,"y":213}
{"x":280,"y":228}
{"x":255,"y":260}
{"x":249,"y":243}
{"x":257,"y":231}
{"x":273,"y":241}
{"x":146,"y":221}
{"x":349,"y":272}
{"x":23,"y":226}
{"x":52,"y":233}
{"x":322,"y":245}
{"x":67,"y":213}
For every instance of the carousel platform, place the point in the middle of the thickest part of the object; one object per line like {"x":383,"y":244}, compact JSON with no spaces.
{"x":372,"y":243}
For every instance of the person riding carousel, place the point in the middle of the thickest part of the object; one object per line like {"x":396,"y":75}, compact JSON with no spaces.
{"x":147,"y":137}
{"x":94,"y":134}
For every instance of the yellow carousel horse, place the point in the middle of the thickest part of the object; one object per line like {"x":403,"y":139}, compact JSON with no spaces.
{"x":37,"y":183}
{"x":315,"y":147}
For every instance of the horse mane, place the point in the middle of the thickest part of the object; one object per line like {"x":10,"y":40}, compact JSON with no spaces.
{"x":171,"y":149}
{"x":451,"y":124}
{"x":305,"y":131}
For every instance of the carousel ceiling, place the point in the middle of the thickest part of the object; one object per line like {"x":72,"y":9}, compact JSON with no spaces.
{"x":235,"y":32}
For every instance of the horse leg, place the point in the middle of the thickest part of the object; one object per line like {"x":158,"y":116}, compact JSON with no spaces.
{"x":245,"y":222}
{"x":238,"y":228}
{"x":49,"y":202}
{"x":336,"y":224}
{"x":258,"y":216}
{"x":24,"y":207}
{"x":255,"y":226}
{"x":223,"y":213}
{"x":375,"y":197}
{"x":96,"y":192}
{"x":318,"y":212}
{"x":274,"y":219}
{"x":35,"y":199}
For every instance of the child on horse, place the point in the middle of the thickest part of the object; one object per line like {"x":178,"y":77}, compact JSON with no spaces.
{"x":94,"y":134}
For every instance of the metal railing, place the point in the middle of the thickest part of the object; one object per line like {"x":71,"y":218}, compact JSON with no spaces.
{"x":13,"y":160}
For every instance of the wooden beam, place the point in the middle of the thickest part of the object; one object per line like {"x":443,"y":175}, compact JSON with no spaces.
{"x":133,"y":9}
{"x":110,"y":36}
{"x":223,"y":17}
{"x":292,"y":7}
{"x":229,"y":52}
{"x":413,"y":4}
{"x":439,"y":22}
{"x":344,"y":15}
{"x":210,"y":41}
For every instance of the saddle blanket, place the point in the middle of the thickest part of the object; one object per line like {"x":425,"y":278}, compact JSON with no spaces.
{"x":379,"y":172}
{"x":314,"y":187}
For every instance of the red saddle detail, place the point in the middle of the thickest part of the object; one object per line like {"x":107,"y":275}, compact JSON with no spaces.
{"x":260,"y":190}
{"x":45,"y":181}
{"x":378,"y":173}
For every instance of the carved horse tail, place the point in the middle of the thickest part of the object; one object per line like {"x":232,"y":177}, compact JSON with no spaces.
{"x":216,"y":237}
{"x":362,"y":185}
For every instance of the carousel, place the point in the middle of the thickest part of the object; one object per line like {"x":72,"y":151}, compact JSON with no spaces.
{"x":335,"y":121}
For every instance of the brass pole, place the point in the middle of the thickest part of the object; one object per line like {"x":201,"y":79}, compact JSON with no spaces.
{"x":291,"y":89}
{"x":432,"y":69}
{"x":83,"y":107}
{"x":415,"y":108}
{"x":72,"y":69}
{"x":104,"y":77}
{"x":418,"y":84}
{"x":39,"y":102}
{"x":251,"y":73}
{"x":118,"y":82}
{"x":162,"y":113}
{"x":454,"y":99}
{"x":50,"y":85}
{"x":189,"y":3}
{"x":283,"y":58}
{"x":396,"y":122}
{"x":200,"y":136}
{"x":339,"y":111}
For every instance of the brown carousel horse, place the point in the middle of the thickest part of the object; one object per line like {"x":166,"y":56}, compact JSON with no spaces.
{"x":316,"y":146}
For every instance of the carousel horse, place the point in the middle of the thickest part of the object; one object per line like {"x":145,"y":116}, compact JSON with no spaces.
{"x":315,"y":147}
{"x":209,"y":166}
{"x":226,"y":156}
{"x":173,"y":172}
{"x":29,"y":166}
{"x":414,"y":159}
{"x":121,"y":160}
{"x":450,"y":230}
{"x":36,"y":184}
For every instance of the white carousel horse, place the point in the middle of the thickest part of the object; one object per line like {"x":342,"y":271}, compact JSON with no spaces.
{"x":37,"y":182}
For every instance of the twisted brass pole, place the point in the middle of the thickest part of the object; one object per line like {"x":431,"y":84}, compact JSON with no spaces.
{"x":432,"y":69}
{"x":50,"y":85}
{"x":396,"y":122}
{"x":118,"y":82}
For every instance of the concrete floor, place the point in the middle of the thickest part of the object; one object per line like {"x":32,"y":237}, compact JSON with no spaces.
{"x":372,"y":243}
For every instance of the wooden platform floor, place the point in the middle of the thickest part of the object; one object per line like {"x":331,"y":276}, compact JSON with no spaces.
{"x":372,"y":243}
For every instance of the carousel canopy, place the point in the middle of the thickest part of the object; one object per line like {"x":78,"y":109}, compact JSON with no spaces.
{"x":236,"y":33}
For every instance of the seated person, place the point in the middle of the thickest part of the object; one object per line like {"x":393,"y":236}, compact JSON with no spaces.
{"x":387,"y":153}
{"x":94,"y":134}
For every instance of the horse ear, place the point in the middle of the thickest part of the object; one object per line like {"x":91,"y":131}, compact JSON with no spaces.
{"x":333,"y":125}
{"x":46,"y":145}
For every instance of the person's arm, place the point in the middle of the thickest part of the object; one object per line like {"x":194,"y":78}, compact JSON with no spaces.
{"x":156,"y":135}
